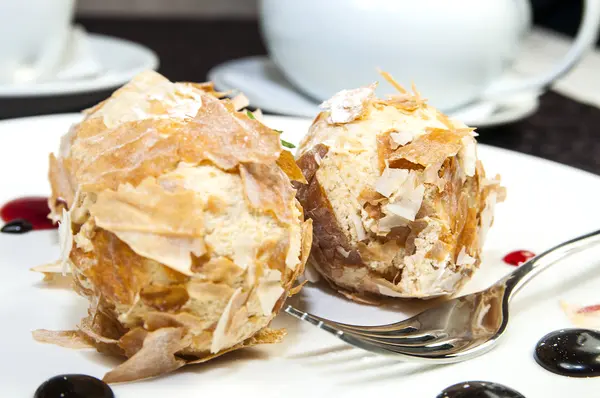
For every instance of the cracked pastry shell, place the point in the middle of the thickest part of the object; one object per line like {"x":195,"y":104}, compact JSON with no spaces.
{"x":399,"y":201}
{"x":179,"y":223}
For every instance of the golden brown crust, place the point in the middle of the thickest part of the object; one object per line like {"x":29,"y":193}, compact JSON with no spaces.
{"x":307,"y":239}
{"x":316,"y":205}
{"x":103,"y":158}
{"x":164,"y":297}
{"x":60,"y":183}
{"x":103,"y":331}
{"x":289,"y":166}
{"x":326,"y":229}
{"x":228,"y":138}
{"x":208,"y":88}
{"x":115,"y":271}
{"x":156,"y":356}
{"x":460,"y":203}
{"x":165,"y":226}
{"x":308,"y":162}
{"x":435,"y":146}
{"x":263,"y":336}
{"x":267,"y":188}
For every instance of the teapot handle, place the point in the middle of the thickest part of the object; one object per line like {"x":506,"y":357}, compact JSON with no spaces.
{"x":585,"y":40}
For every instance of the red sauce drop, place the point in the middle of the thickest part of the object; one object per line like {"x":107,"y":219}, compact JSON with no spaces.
{"x":33,"y":209}
{"x":518,"y":257}
{"x":588,"y":309}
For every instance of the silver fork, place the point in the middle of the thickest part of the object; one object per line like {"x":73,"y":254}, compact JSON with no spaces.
{"x":457,"y":330}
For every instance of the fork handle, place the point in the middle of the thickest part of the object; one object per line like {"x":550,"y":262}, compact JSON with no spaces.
{"x":519,"y":277}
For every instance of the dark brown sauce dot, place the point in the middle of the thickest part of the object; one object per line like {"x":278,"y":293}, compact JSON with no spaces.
{"x":479,"y":389}
{"x":18,"y":226}
{"x":570,"y":352}
{"x":74,"y":386}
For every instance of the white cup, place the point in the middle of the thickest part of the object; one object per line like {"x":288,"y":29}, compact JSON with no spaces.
{"x":456,"y":52}
{"x":33,"y":37}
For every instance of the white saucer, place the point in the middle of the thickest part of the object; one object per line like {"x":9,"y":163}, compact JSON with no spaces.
{"x":120,"y":60}
{"x":266,"y":88}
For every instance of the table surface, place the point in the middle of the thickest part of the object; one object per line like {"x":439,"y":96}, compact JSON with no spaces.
{"x":562,"y":130}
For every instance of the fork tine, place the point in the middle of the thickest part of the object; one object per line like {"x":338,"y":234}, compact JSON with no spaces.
{"x":411,"y":340}
{"x":370,"y":344}
{"x":396,"y":336}
{"x":440,"y":344}
{"x":364,"y":345}
{"x":400,"y":352}
{"x":315,"y":320}
{"x":422,"y":353}
{"x":394,"y":339}
{"x":431,"y":338}
{"x":406,"y":327}
{"x":434,"y":341}
{"x":324,"y":325}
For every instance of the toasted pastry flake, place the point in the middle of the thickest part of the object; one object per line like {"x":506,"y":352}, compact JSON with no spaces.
{"x":349,"y":105}
{"x":157,"y":356}
{"x":158,"y":224}
{"x":430,"y":148}
{"x":63,"y":338}
{"x":288,"y":165}
{"x":268,"y":189}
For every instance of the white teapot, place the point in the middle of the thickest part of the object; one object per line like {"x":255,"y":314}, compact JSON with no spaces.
{"x":456,"y":52}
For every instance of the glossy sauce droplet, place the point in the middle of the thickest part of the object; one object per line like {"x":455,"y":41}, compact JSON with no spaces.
{"x":18,"y":226}
{"x":479,"y":389}
{"x":74,"y":386}
{"x":33,"y":210}
{"x":589,"y":309}
{"x":570,"y":352}
{"x":518,"y":257}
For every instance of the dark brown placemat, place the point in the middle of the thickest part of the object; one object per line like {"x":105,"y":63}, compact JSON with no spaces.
{"x":562,"y":130}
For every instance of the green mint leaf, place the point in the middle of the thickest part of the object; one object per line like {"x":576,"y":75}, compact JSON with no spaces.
{"x":287,"y":144}
{"x":250,"y":115}
{"x":279,"y":131}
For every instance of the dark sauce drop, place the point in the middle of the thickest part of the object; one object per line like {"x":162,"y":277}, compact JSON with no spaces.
{"x":518,"y":257}
{"x":26,"y":214}
{"x":18,"y":226}
{"x":74,"y":386}
{"x":570,"y":352}
{"x":479,"y":389}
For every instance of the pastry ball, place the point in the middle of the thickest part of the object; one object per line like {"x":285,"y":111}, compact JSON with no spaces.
{"x":178,"y":222}
{"x":399,"y":201}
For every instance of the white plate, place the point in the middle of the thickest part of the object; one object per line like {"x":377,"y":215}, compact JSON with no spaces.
{"x":266,"y":88}
{"x":120,"y":59}
{"x":547,"y":203}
